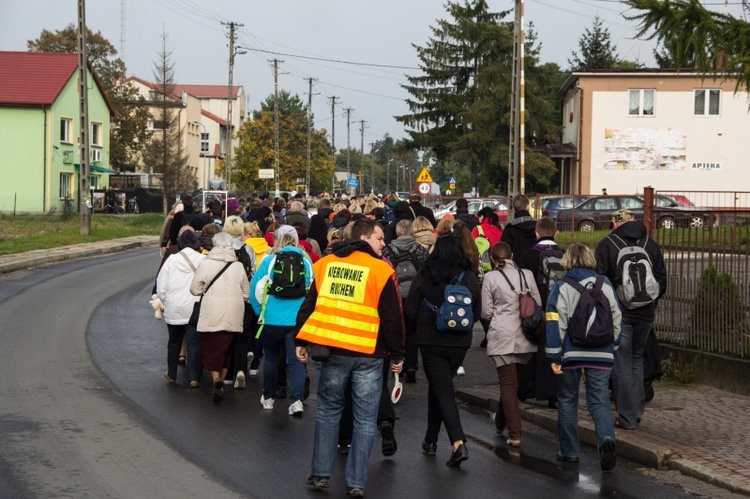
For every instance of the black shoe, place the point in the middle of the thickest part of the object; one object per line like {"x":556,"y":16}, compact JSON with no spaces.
{"x":459,"y":455}
{"x":429,"y":448}
{"x":280,"y":392}
{"x":607,"y":454}
{"x":483,"y":344}
{"x":218,"y":392}
{"x":344,"y":448}
{"x":355,"y":492}
{"x":566,"y":459}
{"x":411,"y":376}
{"x":389,"y":440}
{"x":552,"y":404}
{"x":317,"y":481}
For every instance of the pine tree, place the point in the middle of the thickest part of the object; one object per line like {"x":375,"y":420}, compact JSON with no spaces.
{"x":596,"y":50}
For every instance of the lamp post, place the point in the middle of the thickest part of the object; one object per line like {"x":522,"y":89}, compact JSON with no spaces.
{"x":388,"y":177}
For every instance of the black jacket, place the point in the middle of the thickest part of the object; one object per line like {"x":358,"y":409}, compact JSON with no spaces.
{"x":530,"y":261}
{"x":464,"y":216}
{"x":188,"y":216}
{"x":606,"y":264}
{"x":520,"y":234}
{"x":402,"y":211}
{"x":423,"y":211}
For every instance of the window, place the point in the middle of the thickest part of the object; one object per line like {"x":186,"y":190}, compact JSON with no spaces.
{"x":631,"y":203}
{"x":159,"y":125}
{"x":94,"y":181}
{"x":96,"y":134}
{"x":706,"y":102}
{"x":66,"y":183}
{"x":605,"y":204}
{"x":204,"y":143}
{"x":641,"y":102}
{"x":66,"y":130}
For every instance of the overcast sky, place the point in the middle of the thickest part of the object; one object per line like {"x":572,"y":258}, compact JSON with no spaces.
{"x":374,"y":32}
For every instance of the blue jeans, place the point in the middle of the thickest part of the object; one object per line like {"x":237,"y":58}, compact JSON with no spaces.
{"x":627,"y":375}
{"x":597,"y":400}
{"x":365,"y":376}
{"x":176,"y":333}
{"x":273,"y":337}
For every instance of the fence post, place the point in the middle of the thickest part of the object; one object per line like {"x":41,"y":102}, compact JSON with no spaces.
{"x":648,"y":204}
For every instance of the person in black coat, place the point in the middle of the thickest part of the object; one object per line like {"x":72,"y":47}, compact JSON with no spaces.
{"x":421,"y":211}
{"x":402,"y":211}
{"x":188,"y":216}
{"x":520,"y":233}
{"x":462,"y":214}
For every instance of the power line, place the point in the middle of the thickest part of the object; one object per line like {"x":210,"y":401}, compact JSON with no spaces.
{"x":338,"y":61}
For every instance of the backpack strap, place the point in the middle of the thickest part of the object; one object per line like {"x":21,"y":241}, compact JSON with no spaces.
{"x":577,"y":285}
{"x":457,"y":280}
{"x":192,"y":267}
{"x":620,"y":246}
{"x":429,"y":305}
{"x":480,"y":230}
{"x":507,"y":280}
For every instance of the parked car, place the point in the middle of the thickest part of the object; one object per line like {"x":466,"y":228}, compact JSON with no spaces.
{"x":475,"y":204}
{"x":596,"y":213}
{"x":549,"y":206}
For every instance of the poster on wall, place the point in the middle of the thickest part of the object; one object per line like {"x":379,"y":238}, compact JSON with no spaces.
{"x":644,"y":148}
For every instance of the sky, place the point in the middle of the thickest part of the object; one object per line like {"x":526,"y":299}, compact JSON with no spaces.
{"x":308,"y":36}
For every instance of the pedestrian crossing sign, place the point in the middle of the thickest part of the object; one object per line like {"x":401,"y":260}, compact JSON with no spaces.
{"x":424,"y":176}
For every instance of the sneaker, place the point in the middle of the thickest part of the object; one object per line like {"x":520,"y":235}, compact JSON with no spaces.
{"x":228,"y":382}
{"x":194,"y":383}
{"x":266,"y":403}
{"x":169,"y":378}
{"x":317,"y":481}
{"x":607,"y":454}
{"x":355,"y":492}
{"x":389,"y":440}
{"x":252,"y":372}
{"x":280,"y":392}
{"x":429,"y":448}
{"x":411,"y":376}
{"x":239,"y":381}
{"x":296,"y":409}
{"x":460,"y":371}
{"x":250,"y":359}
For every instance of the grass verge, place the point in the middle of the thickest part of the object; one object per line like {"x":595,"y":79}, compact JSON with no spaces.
{"x":31,"y":232}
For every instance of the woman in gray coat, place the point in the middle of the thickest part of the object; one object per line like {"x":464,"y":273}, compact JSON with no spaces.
{"x":222,"y":308}
{"x":506,"y":343}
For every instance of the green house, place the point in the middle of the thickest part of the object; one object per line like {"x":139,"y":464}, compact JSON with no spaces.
{"x":40,"y":123}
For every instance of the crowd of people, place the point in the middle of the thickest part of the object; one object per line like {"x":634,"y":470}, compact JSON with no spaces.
{"x":286,"y":281}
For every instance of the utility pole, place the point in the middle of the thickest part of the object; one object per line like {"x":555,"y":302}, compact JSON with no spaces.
{"x":333,"y":122}
{"x":362,"y":156}
{"x":122,"y":29}
{"x":83,"y":99}
{"x":309,"y":134}
{"x":372,"y":157}
{"x":516,"y":170}
{"x":348,"y":147}
{"x":276,"y":122}
{"x":230,"y":100}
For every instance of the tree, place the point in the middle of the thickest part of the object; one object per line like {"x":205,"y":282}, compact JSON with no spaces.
{"x":596,"y":50}
{"x":165,"y":153}
{"x":710,"y":42}
{"x":257,"y":147}
{"x":130,"y":130}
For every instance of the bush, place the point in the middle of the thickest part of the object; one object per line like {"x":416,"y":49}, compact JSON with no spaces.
{"x":718,"y":307}
{"x":676,"y":369}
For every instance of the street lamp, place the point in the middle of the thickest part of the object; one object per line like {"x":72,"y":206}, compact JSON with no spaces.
{"x":388,"y":177}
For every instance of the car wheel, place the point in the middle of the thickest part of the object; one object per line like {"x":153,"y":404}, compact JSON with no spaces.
{"x":696,"y":222}
{"x":587,"y":226}
{"x":667,"y":223}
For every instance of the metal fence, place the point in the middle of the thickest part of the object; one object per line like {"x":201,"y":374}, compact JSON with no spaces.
{"x":707,"y":304}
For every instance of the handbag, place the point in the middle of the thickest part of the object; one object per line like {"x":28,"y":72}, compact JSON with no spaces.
{"x":193,"y":321}
{"x":530,"y":311}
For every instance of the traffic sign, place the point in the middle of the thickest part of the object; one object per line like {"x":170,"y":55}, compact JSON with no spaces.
{"x":452,"y":185}
{"x":452,"y":180}
{"x":424,"y":177}
{"x":265,"y":173}
{"x":424,"y":188}
{"x":352,"y":182}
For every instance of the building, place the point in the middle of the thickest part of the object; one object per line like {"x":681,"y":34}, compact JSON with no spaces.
{"x":40,"y":119}
{"x":202,"y":117}
{"x":625,"y":129}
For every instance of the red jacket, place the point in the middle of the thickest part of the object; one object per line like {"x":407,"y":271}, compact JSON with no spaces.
{"x":491,"y":232}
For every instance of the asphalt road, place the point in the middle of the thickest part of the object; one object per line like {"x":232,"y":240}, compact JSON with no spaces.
{"x":86,"y":412}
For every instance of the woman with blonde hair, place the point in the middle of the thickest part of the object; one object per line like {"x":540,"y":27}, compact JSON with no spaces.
{"x":506,"y":343}
{"x":278,"y":318}
{"x":422,"y":230}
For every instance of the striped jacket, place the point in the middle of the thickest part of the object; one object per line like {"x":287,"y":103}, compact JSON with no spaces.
{"x":561,"y":304}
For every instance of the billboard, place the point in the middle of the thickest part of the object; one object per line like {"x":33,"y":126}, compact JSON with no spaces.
{"x":645,"y":149}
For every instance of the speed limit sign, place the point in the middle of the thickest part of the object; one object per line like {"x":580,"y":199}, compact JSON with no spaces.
{"x":424,"y":188}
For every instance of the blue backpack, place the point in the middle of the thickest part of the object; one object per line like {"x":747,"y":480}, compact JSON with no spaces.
{"x":456,"y":313}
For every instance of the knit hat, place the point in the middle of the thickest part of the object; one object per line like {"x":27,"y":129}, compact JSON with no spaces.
{"x":622,"y":216}
{"x":286,"y":230}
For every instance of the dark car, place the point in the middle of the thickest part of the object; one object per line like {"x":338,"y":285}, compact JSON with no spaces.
{"x":670,"y":213}
{"x":596,"y":213}
{"x":549,"y":206}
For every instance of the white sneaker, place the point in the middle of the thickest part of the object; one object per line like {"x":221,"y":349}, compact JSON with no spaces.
{"x":460,"y":371}
{"x":296,"y":409}
{"x":252,"y":372}
{"x":266,"y":403}
{"x":228,"y":382}
{"x":239,"y":381}
{"x":250,"y":359}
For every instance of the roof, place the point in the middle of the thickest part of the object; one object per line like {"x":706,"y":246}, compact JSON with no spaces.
{"x":212,"y":116}
{"x":567,"y":150}
{"x":36,"y":79}
{"x":199,"y":91}
{"x":640,"y":72}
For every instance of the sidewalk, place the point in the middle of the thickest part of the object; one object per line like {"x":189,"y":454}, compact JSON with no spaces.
{"x":697,"y":430}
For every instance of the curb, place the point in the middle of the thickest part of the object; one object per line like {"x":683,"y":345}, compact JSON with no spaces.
{"x":629,"y":445}
{"x":38,"y":258}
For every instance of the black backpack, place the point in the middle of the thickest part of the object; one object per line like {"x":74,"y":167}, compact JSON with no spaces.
{"x":406,"y":270}
{"x":590,"y":325}
{"x":288,"y":276}
{"x":247,"y":261}
{"x":550,"y":270}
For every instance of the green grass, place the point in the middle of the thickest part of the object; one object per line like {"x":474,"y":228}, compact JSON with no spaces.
{"x":31,"y":232}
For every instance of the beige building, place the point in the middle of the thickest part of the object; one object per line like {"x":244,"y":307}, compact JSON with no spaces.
{"x":623,"y":130}
{"x":202,"y":111}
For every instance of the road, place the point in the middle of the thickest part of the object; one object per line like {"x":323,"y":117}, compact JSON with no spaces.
{"x":86,"y":412}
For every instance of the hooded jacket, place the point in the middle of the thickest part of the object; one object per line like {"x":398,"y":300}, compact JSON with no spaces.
{"x":423,"y":211}
{"x":467,"y":218}
{"x":402,"y":211}
{"x":561,"y":304}
{"x":260,"y":246}
{"x":606,"y":264}
{"x":223,"y":306}
{"x":173,"y":286}
{"x":520,"y":234}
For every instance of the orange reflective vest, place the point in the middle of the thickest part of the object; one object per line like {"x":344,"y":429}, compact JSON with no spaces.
{"x":346,"y":311}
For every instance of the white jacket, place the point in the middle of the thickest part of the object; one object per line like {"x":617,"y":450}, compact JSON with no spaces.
{"x":173,"y":286}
